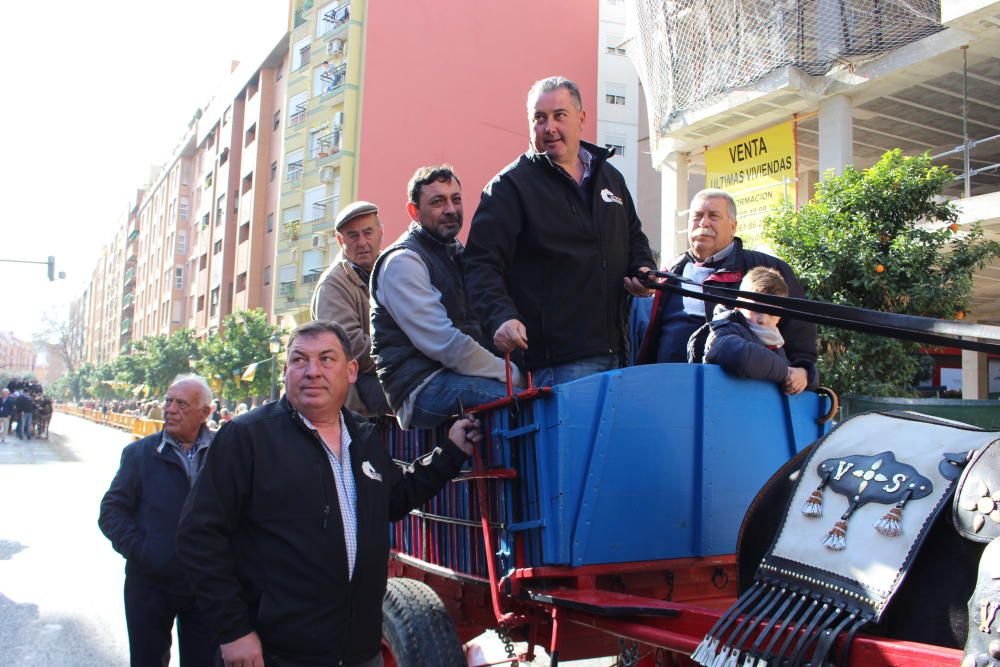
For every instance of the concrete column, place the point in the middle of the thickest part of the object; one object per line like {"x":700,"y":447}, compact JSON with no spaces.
{"x":674,"y":180}
{"x":975,"y":375}
{"x":836,"y":134}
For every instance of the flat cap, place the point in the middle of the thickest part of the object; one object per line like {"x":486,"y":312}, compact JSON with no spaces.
{"x":353,"y":210}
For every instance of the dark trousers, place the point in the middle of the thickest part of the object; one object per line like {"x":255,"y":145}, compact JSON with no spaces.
{"x":150,"y":610}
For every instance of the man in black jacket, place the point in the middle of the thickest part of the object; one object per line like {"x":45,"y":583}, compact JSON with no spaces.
{"x":555,"y":245}
{"x":716,"y":257}
{"x":139,"y":514}
{"x":285,"y":538}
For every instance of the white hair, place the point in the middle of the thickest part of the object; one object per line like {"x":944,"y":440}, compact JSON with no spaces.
{"x":194,"y":378}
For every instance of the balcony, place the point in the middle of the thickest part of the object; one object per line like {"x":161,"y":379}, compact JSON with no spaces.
{"x":132,"y":236}
{"x":126,"y":325}
{"x":294,"y":171}
{"x":328,"y":144}
{"x":324,"y":211}
{"x":336,"y":17}
{"x":127,"y":300}
{"x":334,"y":78}
{"x":130,"y":276}
{"x":287,"y":290}
{"x":299,"y":115}
{"x":291,"y":230}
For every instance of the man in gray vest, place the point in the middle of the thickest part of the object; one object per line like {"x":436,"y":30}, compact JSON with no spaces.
{"x":428,"y":346}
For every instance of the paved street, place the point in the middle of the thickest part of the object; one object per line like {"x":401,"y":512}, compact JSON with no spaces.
{"x":60,"y":580}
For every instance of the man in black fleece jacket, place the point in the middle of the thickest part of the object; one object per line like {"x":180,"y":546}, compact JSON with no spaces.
{"x":285,"y":537}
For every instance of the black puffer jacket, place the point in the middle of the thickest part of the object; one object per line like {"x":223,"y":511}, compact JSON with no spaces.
{"x":538,"y":252}
{"x":262,"y":540}
{"x":727,"y":341}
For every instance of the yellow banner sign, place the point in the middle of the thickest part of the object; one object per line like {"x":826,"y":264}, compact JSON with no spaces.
{"x":758,"y":170}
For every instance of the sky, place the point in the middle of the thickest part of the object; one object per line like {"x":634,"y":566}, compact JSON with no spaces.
{"x":95,"y":94}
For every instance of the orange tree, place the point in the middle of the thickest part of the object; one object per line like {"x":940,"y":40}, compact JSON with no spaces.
{"x":881,"y":238}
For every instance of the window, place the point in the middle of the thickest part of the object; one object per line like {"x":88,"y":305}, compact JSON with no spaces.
{"x":270,"y":222}
{"x":241,"y":282}
{"x":267,"y":275}
{"x":224,"y":156}
{"x":247,"y":183}
{"x":300,"y":53}
{"x":244,"y":231}
{"x":226,"y":116}
{"x":252,"y":87}
{"x":178,"y":278}
{"x":277,"y":119}
{"x":615,"y":94}
{"x":213,"y":304}
{"x":313,"y":262}
{"x":274,"y":171}
{"x":220,"y":211}
{"x":313,"y":203}
{"x":251,"y":135}
{"x":615,"y":45}
{"x":217,"y":248}
{"x":203,"y":263}
{"x":185,"y":207}
{"x":293,"y":165}
{"x":178,"y":312}
{"x":618,"y":148}
{"x":201,"y":303}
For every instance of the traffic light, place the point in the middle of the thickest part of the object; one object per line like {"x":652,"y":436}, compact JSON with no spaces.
{"x":52,"y":268}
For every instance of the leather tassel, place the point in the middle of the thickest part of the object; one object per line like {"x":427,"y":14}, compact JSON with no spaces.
{"x":813,"y":507}
{"x":827,"y":615}
{"x":795,"y":628}
{"x":836,"y":539}
{"x":827,"y":639}
{"x":889,"y":524}
{"x":708,"y":655}
{"x":753,"y":654}
{"x":753,"y":621}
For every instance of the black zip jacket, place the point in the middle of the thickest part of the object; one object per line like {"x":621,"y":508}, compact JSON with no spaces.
{"x":262,"y":540}
{"x":554,"y":256}
{"x":140,"y":511}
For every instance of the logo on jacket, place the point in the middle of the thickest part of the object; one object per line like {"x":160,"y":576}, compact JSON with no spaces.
{"x":369,"y":470}
{"x":610,"y":197}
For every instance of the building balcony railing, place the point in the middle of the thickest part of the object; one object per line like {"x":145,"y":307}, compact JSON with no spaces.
{"x":324,"y":211}
{"x":132,"y":236}
{"x":126,"y":325}
{"x":129,"y":276}
{"x":299,"y":116}
{"x":336,"y":17}
{"x":127,"y":300}
{"x":294,"y":171}
{"x":334,"y":78}
{"x":292,"y":229}
{"x":287,"y":290}
{"x":328,"y":144}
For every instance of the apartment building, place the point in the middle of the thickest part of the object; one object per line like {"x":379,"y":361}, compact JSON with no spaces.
{"x":378,"y":89}
{"x":17,"y":357}
{"x":853,"y":79}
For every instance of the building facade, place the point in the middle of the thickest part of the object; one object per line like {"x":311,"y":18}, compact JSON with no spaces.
{"x":17,"y":357}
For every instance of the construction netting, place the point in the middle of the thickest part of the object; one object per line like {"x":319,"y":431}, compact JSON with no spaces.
{"x":688,"y":52}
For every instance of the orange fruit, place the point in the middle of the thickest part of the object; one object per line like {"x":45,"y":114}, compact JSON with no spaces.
{"x":879,"y":268}
{"x":953,"y":226}
{"x":959,"y":315}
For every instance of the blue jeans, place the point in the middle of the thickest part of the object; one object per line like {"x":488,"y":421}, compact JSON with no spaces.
{"x":24,"y":426}
{"x":574,"y":370}
{"x":439,"y":399}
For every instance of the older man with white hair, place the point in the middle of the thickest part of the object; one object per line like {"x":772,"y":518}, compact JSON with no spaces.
{"x":139,"y":514}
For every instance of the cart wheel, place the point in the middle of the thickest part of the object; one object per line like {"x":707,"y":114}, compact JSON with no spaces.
{"x":416,"y":628}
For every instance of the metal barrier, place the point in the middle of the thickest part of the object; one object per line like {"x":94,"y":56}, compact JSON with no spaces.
{"x":139,"y":427}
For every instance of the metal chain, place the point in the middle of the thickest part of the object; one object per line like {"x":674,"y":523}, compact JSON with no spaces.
{"x":508,"y":644}
{"x":628,"y":657}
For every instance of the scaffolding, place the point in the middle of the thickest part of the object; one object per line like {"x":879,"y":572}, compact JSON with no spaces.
{"x":688,"y":52}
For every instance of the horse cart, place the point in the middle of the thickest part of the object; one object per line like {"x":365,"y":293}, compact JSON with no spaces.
{"x":639,"y":513}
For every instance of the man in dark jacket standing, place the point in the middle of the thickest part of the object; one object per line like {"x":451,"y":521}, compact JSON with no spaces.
{"x":139,"y":514}
{"x":6,"y":412}
{"x":555,"y":245}
{"x":716,"y":257}
{"x":285,"y":536}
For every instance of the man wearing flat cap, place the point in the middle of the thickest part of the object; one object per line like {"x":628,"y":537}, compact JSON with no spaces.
{"x":342,"y":296}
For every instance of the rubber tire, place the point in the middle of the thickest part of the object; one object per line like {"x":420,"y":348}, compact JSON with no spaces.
{"x":416,"y":627}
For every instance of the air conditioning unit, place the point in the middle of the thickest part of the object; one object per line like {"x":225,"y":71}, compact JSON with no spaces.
{"x":293,"y":251}
{"x":317,"y":240}
{"x":327,"y":174}
{"x":338,"y":119}
{"x":335,"y":46}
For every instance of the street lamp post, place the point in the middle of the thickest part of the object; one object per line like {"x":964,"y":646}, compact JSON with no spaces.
{"x":274,"y":346}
